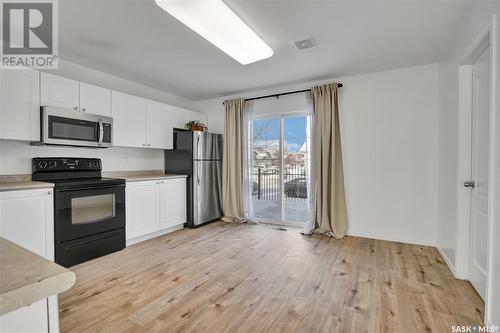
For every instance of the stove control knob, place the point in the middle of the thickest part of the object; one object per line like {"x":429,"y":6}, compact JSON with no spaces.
{"x":42,"y":164}
{"x":96,"y":164}
{"x":52,"y":164}
{"x":88,"y":164}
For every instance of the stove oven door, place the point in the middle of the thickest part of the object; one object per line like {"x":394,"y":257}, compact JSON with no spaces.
{"x":87,"y":211}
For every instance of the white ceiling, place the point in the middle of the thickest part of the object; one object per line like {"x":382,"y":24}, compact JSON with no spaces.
{"x":136,"y":40}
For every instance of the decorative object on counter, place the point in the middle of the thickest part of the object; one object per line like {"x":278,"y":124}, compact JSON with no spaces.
{"x":196,"y":125}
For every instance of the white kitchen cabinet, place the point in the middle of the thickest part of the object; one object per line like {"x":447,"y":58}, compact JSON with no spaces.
{"x":142,"y":208}
{"x":59,"y":92}
{"x":154,"y":207}
{"x":16,"y":220}
{"x":172,"y":202}
{"x":181,"y":116}
{"x":95,"y":100}
{"x":32,"y":229}
{"x":19,"y":104}
{"x":158,"y":125}
{"x":129,"y":120}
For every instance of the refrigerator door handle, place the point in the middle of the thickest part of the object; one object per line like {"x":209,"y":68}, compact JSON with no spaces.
{"x":198,"y":173}
{"x":198,"y":149}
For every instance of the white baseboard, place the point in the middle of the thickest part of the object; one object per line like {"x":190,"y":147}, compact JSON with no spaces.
{"x":392,"y":239}
{"x":154,"y":234}
{"x":447,"y":261}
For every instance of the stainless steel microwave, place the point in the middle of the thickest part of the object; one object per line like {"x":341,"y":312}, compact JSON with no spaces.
{"x":73,"y":128}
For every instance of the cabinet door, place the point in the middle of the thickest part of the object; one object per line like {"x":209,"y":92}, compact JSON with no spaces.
{"x":159,"y":125}
{"x":143,"y":208}
{"x":59,"y":92}
{"x":95,"y":100}
{"x":16,"y":220}
{"x":129,"y":120}
{"x":173,"y":202}
{"x":32,"y":229}
{"x":28,"y":319}
{"x":19,"y":104}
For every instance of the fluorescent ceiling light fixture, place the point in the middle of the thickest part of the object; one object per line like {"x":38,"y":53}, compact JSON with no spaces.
{"x":217,"y":23}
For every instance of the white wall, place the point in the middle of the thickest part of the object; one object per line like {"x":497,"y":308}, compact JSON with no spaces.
{"x":389,"y":134}
{"x":15,"y":157}
{"x":448,"y":161}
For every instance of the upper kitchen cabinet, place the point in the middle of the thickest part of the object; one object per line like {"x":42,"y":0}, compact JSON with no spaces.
{"x":69,"y":94}
{"x":181,"y":116}
{"x":59,"y":92}
{"x":158,"y":125}
{"x":19,"y":104}
{"x":95,"y":100}
{"x":129,"y":120}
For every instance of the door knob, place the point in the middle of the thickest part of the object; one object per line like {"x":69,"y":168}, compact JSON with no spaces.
{"x":470,"y":184}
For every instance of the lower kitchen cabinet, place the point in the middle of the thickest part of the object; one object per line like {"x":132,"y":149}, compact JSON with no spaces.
{"x":154,"y":207}
{"x":142,"y":208}
{"x":27,"y":219}
{"x":172,"y":202}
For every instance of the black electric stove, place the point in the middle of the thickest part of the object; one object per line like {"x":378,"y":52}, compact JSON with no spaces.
{"x":89,"y":210}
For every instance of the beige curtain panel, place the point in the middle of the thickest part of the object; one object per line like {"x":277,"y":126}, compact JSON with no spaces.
{"x":331,"y":211}
{"x":232,"y":161}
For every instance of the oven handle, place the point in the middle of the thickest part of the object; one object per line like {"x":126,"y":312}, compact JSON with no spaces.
{"x":91,"y":240}
{"x":100,"y":187}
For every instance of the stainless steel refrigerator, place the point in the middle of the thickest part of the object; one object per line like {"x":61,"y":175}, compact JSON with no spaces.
{"x":198,"y":155}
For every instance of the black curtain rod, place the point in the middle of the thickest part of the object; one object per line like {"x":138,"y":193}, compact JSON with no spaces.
{"x":340,"y":85}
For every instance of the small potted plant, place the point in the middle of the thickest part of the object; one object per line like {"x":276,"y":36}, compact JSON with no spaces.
{"x":196,"y":125}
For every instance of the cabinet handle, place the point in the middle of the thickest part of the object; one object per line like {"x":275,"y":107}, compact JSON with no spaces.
{"x":143,"y":144}
{"x":149,"y":145}
{"x":75,"y":108}
{"x":83,"y":109}
{"x":50,"y":192}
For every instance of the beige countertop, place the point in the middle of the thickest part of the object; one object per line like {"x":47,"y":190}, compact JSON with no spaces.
{"x":26,"y":278}
{"x":137,"y":176}
{"x":24,"y":182}
{"x":20,"y":182}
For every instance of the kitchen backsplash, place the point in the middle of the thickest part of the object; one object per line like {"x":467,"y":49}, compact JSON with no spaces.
{"x":15,"y":157}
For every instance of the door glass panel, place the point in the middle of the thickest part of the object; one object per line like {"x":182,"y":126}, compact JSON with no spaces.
{"x":296,"y":143}
{"x":266,"y":162}
{"x":280,"y":168}
{"x":92,"y":209}
{"x":72,"y":129}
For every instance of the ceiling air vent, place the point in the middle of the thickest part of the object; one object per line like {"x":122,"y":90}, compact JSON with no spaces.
{"x":304,"y":42}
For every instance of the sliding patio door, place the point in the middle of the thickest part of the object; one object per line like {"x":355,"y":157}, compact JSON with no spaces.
{"x":279,"y":168}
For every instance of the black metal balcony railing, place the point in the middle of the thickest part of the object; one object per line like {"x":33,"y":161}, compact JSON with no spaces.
{"x":266,"y":183}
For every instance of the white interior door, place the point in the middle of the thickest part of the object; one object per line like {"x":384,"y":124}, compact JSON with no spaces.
{"x":480,"y":162}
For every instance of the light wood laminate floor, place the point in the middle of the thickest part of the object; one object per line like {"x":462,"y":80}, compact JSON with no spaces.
{"x":256,"y":278}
